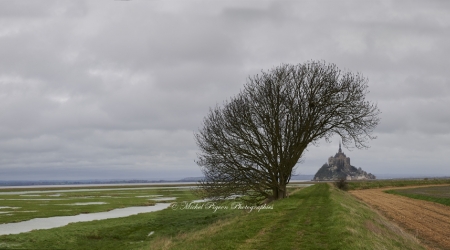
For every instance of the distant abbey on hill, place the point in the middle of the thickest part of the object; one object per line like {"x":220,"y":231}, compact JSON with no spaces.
{"x":339,"y":167}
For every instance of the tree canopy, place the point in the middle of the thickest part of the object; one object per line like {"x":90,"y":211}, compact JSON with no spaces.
{"x":251,"y":144}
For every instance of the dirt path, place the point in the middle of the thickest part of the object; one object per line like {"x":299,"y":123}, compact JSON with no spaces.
{"x":429,"y":221}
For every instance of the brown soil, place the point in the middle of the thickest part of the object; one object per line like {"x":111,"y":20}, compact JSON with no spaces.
{"x":428,"y":221}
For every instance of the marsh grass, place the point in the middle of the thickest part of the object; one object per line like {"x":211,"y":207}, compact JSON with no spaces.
{"x":62,"y":204}
{"x":121,"y":233}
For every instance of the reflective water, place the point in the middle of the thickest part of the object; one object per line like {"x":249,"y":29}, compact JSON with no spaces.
{"x":86,"y":203}
{"x":164,"y":199}
{"x":59,"y":221}
{"x":34,"y":199}
{"x":169,"y":184}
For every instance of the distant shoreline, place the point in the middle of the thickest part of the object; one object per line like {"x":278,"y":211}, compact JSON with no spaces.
{"x":53,"y":183}
{"x":185,"y":181}
{"x":100,"y":185}
{"x":50,"y":186}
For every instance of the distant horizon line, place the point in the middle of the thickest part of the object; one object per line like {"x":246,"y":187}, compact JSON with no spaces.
{"x":193,"y":178}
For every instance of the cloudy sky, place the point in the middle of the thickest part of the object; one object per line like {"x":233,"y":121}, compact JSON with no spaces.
{"x":116,"y":89}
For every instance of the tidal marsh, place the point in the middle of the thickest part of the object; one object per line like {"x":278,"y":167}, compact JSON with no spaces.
{"x":50,"y":203}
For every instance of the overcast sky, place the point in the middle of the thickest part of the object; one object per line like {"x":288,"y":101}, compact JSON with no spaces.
{"x":116,"y":89}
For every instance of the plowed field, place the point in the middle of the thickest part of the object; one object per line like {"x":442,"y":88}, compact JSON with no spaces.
{"x":429,"y":221}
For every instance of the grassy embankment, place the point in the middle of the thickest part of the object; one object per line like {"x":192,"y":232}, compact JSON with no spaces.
{"x":317,"y":217}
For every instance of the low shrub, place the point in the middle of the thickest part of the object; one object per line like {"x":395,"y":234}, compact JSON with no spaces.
{"x":342,"y":184}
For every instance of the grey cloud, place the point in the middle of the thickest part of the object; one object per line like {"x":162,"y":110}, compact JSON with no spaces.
{"x":112,"y":88}
{"x":42,"y":9}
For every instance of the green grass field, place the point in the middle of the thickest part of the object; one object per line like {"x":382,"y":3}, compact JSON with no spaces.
{"x":316,"y":217}
{"x":439,"y":194}
{"x":354,"y":185}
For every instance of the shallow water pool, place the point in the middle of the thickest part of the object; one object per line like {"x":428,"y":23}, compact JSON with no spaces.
{"x":59,"y":221}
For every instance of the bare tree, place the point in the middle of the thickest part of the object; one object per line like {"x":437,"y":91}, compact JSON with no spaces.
{"x":251,"y":144}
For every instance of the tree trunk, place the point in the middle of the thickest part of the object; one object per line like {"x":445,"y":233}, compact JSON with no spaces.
{"x":279,"y":192}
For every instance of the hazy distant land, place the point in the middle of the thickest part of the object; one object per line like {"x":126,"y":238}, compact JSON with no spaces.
{"x":171,"y":180}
